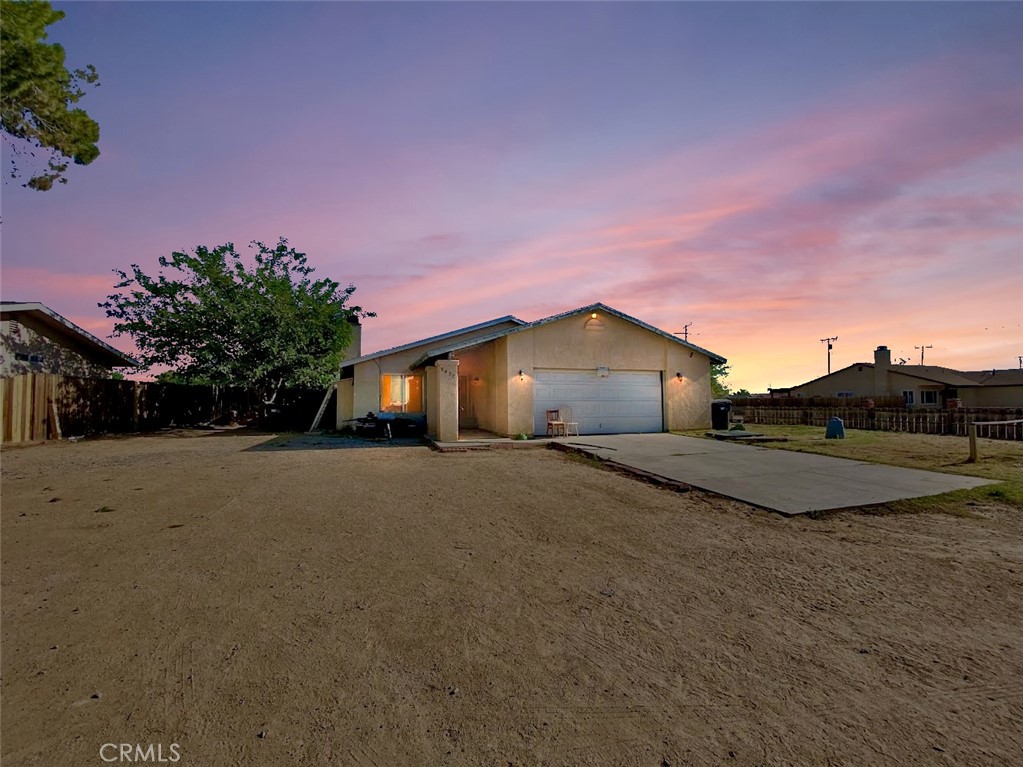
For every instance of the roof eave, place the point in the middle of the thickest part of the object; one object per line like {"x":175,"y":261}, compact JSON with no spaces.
{"x":104,"y":352}
{"x":431,"y":339}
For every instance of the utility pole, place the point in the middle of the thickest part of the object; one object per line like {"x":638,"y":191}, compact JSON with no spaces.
{"x":829,"y":341}
{"x":921,"y":348}
{"x":1020,"y":358}
{"x":684,"y":331}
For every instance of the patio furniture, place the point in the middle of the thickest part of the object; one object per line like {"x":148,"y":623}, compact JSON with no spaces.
{"x":372,"y":426}
{"x":555,"y":426}
{"x":569,"y":424}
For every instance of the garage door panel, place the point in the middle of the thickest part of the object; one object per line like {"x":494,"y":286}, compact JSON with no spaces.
{"x":626,"y":401}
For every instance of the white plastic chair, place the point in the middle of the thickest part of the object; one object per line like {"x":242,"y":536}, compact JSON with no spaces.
{"x":569,"y":424}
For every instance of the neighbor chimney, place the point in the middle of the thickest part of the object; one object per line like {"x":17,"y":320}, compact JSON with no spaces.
{"x":355,"y":347}
{"x":882,"y":363}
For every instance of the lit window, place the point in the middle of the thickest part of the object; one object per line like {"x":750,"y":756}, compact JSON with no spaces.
{"x":401,"y":394}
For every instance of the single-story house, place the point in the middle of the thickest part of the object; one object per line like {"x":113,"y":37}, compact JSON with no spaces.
{"x":607,"y":371}
{"x":35,"y":339}
{"x":925,"y":386}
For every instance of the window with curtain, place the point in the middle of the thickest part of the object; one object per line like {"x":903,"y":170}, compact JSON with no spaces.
{"x":401,"y":394}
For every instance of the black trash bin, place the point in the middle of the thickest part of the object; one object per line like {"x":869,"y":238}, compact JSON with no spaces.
{"x":719,"y":409}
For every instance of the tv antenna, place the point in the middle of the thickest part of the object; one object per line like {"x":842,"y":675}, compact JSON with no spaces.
{"x":684,"y":331}
{"x":829,"y":342}
{"x":921,"y":348}
{"x":1020,"y":362}
{"x":902,"y":360}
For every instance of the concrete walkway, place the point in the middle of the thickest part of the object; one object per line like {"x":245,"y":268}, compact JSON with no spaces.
{"x":780,"y":480}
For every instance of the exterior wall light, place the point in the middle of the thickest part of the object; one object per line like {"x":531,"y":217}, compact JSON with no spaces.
{"x":679,"y":376}
{"x":593,"y":316}
{"x":522,"y":376}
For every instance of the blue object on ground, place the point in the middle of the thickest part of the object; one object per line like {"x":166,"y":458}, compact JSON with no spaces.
{"x":836,"y":429}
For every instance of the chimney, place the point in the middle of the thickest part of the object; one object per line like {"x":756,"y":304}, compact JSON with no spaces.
{"x":882,"y":363}
{"x":355,"y":347}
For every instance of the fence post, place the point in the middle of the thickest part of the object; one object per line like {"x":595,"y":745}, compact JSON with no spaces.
{"x":136,"y":404}
{"x":973,"y":443}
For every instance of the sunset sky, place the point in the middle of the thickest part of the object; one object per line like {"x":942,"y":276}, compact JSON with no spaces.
{"x":773,"y":173}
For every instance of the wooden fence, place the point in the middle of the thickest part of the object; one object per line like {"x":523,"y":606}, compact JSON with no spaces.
{"x":34,"y":407}
{"x":952,"y":421}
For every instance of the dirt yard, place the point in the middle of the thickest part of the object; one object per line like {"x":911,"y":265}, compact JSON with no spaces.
{"x":261,"y":605}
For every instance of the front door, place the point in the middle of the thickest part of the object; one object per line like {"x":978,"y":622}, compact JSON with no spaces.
{"x":466,"y":412}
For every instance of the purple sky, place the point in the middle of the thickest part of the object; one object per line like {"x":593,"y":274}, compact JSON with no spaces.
{"x":772,"y":173}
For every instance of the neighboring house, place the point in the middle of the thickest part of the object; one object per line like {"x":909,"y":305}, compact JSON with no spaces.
{"x":610,"y":372}
{"x":35,"y":339}
{"x":919,"y":385}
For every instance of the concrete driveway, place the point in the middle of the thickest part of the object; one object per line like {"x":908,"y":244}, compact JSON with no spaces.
{"x":780,"y":480}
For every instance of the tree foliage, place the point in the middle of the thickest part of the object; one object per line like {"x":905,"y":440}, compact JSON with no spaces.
{"x":38,"y":94}
{"x":213,"y":319}
{"x":718,"y":373}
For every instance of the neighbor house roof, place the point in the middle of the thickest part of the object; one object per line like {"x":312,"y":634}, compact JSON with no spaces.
{"x":431,"y":340}
{"x":995,"y":377}
{"x":941,"y":375}
{"x":101,"y":351}
{"x":441,"y":351}
{"x":935,"y":374}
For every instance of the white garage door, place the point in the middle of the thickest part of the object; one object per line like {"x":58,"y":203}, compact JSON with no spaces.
{"x":623,"y":402}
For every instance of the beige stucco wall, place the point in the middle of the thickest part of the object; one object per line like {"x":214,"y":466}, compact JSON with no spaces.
{"x":620,"y":345}
{"x":858,"y":379}
{"x":366,"y":393}
{"x":446,"y":388}
{"x":501,"y":387}
{"x":503,"y":402}
{"x":992,"y":396}
{"x":520,"y":351}
{"x":899,"y":383}
{"x":345,"y":402}
{"x":366,"y":375}
{"x":686,"y":402}
{"x":25,"y":336}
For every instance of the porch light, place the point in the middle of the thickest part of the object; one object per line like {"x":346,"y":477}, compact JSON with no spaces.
{"x":593,"y":316}
{"x":679,"y":376}
{"x":522,"y":376}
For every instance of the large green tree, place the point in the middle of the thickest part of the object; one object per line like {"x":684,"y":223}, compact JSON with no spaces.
{"x":37,"y":97}
{"x":214,"y":317}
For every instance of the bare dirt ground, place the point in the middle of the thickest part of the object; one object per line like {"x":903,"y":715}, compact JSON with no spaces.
{"x":399,"y":606}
